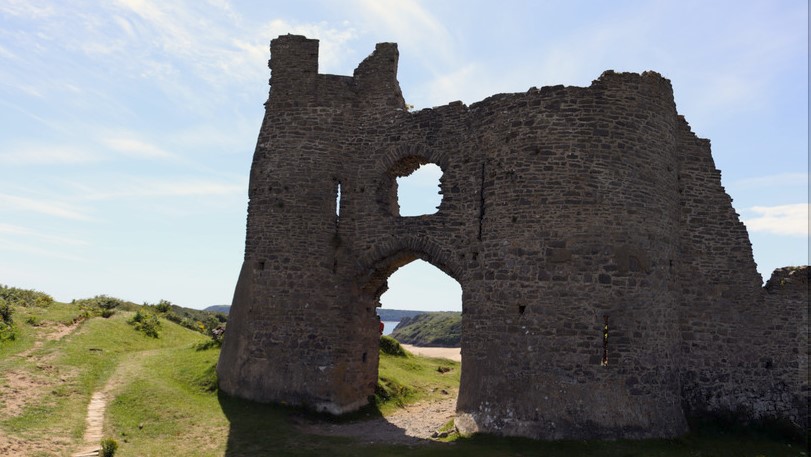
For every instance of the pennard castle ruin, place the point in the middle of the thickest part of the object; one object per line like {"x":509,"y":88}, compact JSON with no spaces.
{"x":567,"y":212}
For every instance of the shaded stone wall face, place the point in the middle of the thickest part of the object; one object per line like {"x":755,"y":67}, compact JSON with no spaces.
{"x":565,"y":210}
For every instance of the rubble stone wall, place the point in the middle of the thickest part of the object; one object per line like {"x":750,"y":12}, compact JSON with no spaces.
{"x":567,"y":213}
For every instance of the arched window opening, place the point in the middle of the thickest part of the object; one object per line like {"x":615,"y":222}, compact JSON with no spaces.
{"x":418,"y":190}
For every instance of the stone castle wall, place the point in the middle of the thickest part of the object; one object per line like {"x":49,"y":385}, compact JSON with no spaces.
{"x":564,"y":210}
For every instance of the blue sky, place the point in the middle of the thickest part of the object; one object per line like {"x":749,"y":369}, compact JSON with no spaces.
{"x":128,"y":126}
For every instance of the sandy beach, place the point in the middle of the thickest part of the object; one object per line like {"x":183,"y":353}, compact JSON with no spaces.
{"x":444,"y":353}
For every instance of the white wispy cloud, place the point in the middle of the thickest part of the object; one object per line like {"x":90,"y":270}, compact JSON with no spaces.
{"x":412,"y":26}
{"x":16,"y":246}
{"x":407,"y":21}
{"x":464,"y":83}
{"x":781,"y":180}
{"x":6,"y":54}
{"x":333,"y":46}
{"x":134,"y":147}
{"x":779,"y":220}
{"x":155,"y":188}
{"x":51,"y":208}
{"x":10,"y":229}
{"x":46,"y":155}
{"x":25,"y":8}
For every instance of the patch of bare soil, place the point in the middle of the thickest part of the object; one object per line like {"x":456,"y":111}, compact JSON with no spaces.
{"x":414,"y":424}
{"x":59,"y":331}
{"x":48,"y":333}
{"x":19,"y":388}
{"x":22,"y":387}
{"x":11,"y":446}
{"x":28,"y":353}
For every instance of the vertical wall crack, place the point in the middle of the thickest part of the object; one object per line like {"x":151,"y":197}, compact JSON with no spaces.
{"x":481,"y":203}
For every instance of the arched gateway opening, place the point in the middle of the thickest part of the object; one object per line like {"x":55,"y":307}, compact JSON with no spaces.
{"x":430,"y":268}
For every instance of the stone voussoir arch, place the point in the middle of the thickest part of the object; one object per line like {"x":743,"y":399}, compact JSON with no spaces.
{"x":376,"y":267}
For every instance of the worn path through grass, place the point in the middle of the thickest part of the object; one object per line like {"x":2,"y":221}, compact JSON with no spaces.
{"x":50,"y":373}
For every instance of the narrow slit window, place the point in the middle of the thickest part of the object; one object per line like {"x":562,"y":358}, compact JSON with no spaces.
{"x":338,"y":201}
{"x":604,"y":362}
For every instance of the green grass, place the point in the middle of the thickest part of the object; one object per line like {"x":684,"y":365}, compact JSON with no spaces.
{"x":412,"y":379}
{"x":164,"y":401}
{"x":67,"y":371}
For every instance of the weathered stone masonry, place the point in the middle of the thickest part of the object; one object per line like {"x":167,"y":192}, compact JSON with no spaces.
{"x":563,"y":208}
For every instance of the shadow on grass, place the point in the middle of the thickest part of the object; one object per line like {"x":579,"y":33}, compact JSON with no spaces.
{"x":271,"y":430}
{"x":260,"y":429}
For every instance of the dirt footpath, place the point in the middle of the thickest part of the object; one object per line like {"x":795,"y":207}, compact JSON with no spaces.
{"x":414,"y":424}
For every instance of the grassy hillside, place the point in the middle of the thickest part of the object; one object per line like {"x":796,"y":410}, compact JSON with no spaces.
{"x":162,"y":400}
{"x":443,"y":329}
{"x":218,"y":309}
{"x":396,"y":314}
{"x":60,"y":355}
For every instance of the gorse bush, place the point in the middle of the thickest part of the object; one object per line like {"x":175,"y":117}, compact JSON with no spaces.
{"x":100,"y":302}
{"x":5,"y":312}
{"x":100,"y":305}
{"x":108,"y":447}
{"x":164,"y":306}
{"x":146,"y":323}
{"x":25,"y":297}
{"x":7,"y":330}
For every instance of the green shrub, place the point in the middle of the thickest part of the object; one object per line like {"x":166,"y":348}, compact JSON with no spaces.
{"x":389,"y":345}
{"x":7,"y":330}
{"x":108,"y":447}
{"x":25,"y":297}
{"x":164,"y":306}
{"x":34,"y":321}
{"x":100,"y":305}
{"x":5,"y":312}
{"x":145,"y":322}
{"x":100,"y":302}
{"x":207,"y":344}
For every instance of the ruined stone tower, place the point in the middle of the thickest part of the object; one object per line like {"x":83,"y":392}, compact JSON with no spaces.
{"x":565,"y":211}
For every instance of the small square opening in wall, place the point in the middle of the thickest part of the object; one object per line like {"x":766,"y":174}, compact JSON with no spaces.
{"x":260,"y":265}
{"x":521,"y":309}
{"x":418,"y":192}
